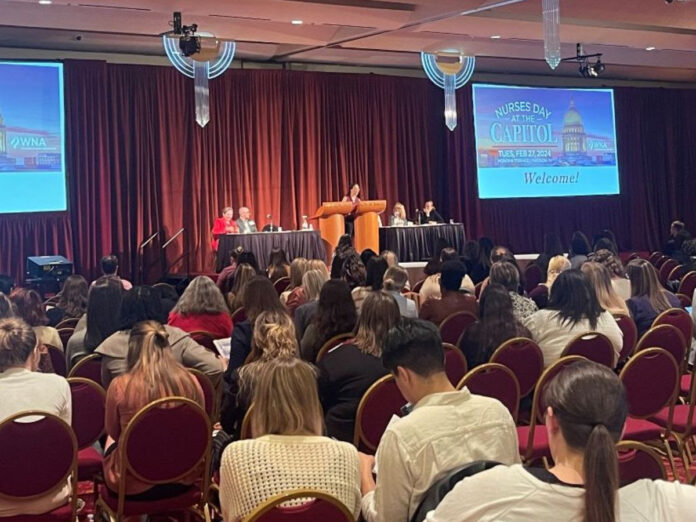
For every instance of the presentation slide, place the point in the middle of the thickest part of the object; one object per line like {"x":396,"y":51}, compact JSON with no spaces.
{"x":32,"y":137}
{"x":534,"y":142}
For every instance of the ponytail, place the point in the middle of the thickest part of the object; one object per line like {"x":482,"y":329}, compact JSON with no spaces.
{"x":601,"y":476}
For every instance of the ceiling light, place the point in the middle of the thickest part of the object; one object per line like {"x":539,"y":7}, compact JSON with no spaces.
{"x":45,"y":2}
{"x":650,"y":48}
{"x":495,"y":37}
{"x":296,"y":22}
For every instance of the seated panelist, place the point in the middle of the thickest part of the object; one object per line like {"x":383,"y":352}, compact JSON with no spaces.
{"x":223,"y":225}
{"x":245,"y":223}
{"x":398,"y":218}
{"x":429,"y":214}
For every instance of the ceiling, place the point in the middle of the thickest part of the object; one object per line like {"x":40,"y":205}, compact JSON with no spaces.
{"x":377,"y":33}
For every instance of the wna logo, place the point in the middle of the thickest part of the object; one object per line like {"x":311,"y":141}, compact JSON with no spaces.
{"x":27,"y":141}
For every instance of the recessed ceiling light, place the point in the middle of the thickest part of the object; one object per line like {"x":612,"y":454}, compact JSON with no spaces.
{"x":650,"y":48}
{"x":296,"y":22}
{"x":45,"y":2}
{"x":495,"y":37}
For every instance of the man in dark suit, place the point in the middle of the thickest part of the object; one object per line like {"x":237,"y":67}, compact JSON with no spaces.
{"x":245,"y":223}
{"x":429,"y":214}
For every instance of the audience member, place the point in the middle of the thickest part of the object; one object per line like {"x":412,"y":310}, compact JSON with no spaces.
{"x":335,"y":315}
{"x":481,"y":266}
{"x":395,"y":279}
{"x":431,"y":285}
{"x":573,"y":310}
{"x":353,"y":271}
{"x":600,"y":279}
{"x":497,"y":325}
{"x":621,"y":284}
{"x":312,"y":282}
{"x":348,"y":370}
{"x":611,"y":237}
{"x":7,"y":284}
{"x":375,"y":269}
{"x":648,"y":298}
{"x":250,"y":259}
{"x":142,"y":304}
{"x":366,"y":255}
{"x":552,"y":248}
{"x":308,"y":291}
{"x":585,"y":413}
{"x":101,"y":320}
{"x":6,"y":307}
{"x":503,"y":253}
{"x":540,"y":294}
{"x":235,"y":297}
{"x":278,"y":265}
{"x":604,"y":243}
{"x":390,"y":257}
{"x":29,"y":307}
{"x":72,"y":301}
{"x":452,"y":300}
{"x":22,"y":389}
{"x":579,"y":249}
{"x":506,"y":274}
{"x":298,"y":267}
{"x":433,"y":264}
{"x":109,"y":267}
{"x":446,"y":428}
{"x":287,"y":451}
{"x":225,"y":278}
{"x":202,"y":308}
{"x":153,"y":373}
{"x":318,"y":264}
{"x":676,"y":238}
{"x":429,"y":214}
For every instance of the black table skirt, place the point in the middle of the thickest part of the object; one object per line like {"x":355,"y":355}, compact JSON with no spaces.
{"x":296,"y":244}
{"x":417,"y":243}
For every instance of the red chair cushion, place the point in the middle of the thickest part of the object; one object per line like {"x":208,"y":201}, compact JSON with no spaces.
{"x":540,"y":441}
{"x":133,"y":508}
{"x":679,"y":419}
{"x":61,"y":514}
{"x":89,"y":463}
{"x":685,"y":384}
{"x":641,"y":430}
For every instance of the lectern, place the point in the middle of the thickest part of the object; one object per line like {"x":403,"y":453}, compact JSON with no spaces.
{"x":332,"y":223}
{"x":367,"y":224}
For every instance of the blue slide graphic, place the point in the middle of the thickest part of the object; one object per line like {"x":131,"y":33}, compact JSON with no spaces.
{"x":544,"y":142}
{"x":32,"y":137}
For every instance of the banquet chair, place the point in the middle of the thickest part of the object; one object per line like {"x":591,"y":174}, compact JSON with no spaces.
{"x":210,"y":394}
{"x":172,"y":426}
{"x":205,"y":339}
{"x":661,"y":261}
{"x":239,"y":315}
{"x":281,"y":284}
{"x":378,"y":405}
{"x":677,"y":273}
{"x":523,"y":356}
{"x":455,"y":363}
{"x":638,"y":461}
{"x":654,"y":257}
{"x":335,"y":341}
{"x":497,"y":381}
{"x":477,"y":289}
{"x":245,"y":431}
{"x":679,"y":318}
{"x":593,"y":346}
{"x":665,"y":269}
{"x":454,"y":325}
{"x":634,"y":255}
{"x":687,"y":285}
{"x":684,"y":300}
{"x":39,"y":454}
{"x":532,"y":277}
{"x":88,"y":423}
{"x":667,"y":337}
{"x":417,"y":287}
{"x":533,"y":443}
{"x":70,"y":322}
{"x":65,"y":334}
{"x":88,"y":367}
{"x":321,"y":508}
{"x":57,"y":360}
{"x":630,"y":336}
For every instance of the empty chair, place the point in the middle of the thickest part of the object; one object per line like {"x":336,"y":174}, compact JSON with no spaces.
{"x":88,"y":368}
{"x":667,"y":337}
{"x":380,"y":403}
{"x":455,"y":363}
{"x":593,"y":346}
{"x":320,"y":507}
{"x":88,"y":413}
{"x":523,"y":356}
{"x":678,"y":318}
{"x":677,"y":273}
{"x":497,"y":381}
{"x":688,"y":284}
{"x":454,"y":326}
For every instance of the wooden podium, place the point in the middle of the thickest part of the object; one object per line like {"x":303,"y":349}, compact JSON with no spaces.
{"x":367,"y":224}
{"x":332,"y":223}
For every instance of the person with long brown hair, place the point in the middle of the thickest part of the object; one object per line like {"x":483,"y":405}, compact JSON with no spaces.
{"x":242,"y":275}
{"x":288,"y":450}
{"x":348,"y":370}
{"x":72,"y":301}
{"x":153,"y":373}
{"x":648,"y":297}
{"x":600,"y":278}
{"x":298,"y":267}
{"x":585,"y":415}
{"x":621,"y":284}
{"x":28,"y":305}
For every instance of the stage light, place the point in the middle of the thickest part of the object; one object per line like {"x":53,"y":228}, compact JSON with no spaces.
{"x":45,"y":2}
{"x":650,"y":48}
{"x":495,"y":37}
{"x":296,"y":22}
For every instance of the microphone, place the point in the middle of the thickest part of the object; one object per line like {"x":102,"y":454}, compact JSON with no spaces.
{"x":270,"y":218}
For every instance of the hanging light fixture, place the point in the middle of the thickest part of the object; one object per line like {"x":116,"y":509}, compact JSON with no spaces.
{"x":550,"y":12}
{"x":449,"y":70}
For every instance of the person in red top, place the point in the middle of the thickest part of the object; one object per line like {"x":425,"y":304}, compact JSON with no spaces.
{"x":223,"y":225}
{"x":202,"y":308}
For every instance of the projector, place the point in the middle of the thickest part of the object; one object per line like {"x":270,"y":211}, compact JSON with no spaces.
{"x":190,"y":45}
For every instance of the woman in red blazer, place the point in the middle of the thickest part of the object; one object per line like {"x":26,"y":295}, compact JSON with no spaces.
{"x":223,"y":225}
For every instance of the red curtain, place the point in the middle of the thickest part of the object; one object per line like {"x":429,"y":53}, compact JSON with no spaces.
{"x":281,"y":142}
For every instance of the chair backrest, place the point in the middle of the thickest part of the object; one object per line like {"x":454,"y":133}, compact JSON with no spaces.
{"x":205,"y":339}
{"x":209,"y":393}
{"x":677,"y":273}
{"x":417,"y":287}
{"x":239,"y":315}
{"x":281,"y":284}
{"x":668,"y":338}
{"x":320,"y":507}
{"x":665,"y":269}
{"x":497,"y":381}
{"x":454,"y":325}
{"x":593,"y":346}
{"x":39,"y":452}
{"x":679,"y":318}
{"x":477,"y":289}
{"x":88,"y":410}
{"x":65,"y":333}
{"x":57,"y":360}
{"x":332,"y":343}
{"x":639,"y":461}
{"x":630,"y":335}
{"x":684,"y":300}
{"x":245,"y":432}
{"x":532,"y":276}
{"x":634,"y":255}
{"x":455,"y":363}
{"x":654,"y":257}
{"x":523,"y":356}
{"x":88,"y":368}
{"x":69,"y":322}
{"x":441,"y":487}
{"x":688,"y":284}
{"x":661,"y":261}
{"x":651,"y":380}
{"x":378,"y":405}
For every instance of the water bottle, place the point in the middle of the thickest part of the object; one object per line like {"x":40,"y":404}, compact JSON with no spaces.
{"x":305,"y":223}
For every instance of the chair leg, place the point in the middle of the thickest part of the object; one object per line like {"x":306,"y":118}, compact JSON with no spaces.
{"x":670,"y":457}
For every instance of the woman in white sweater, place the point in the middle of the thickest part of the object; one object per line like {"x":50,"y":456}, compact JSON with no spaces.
{"x":288,"y":451}
{"x":573,"y":310}
{"x":584,"y":419}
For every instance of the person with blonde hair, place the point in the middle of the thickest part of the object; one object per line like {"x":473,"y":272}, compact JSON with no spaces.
{"x":395,"y":279}
{"x":288,"y":451}
{"x":298,"y":267}
{"x":318,"y":264}
{"x":312,"y":282}
{"x":202,"y":307}
{"x":398,"y":218}
{"x":153,"y":373}
{"x":600,"y":278}
{"x":648,"y":297}
{"x":242,"y":275}
{"x":540,"y":294}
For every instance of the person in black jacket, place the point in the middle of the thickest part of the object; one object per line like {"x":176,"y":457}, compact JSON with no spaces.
{"x":429,"y":214}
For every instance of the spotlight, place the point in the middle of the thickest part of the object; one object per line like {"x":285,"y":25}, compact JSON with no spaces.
{"x":585,"y":68}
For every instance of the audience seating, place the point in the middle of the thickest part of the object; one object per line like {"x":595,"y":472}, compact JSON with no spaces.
{"x":245,"y":432}
{"x":593,"y":346}
{"x":532,"y":277}
{"x":378,"y":405}
{"x":661,"y":261}
{"x":454,"y":325}
{"x":205,"y":339}
{"x":441,"y":487}
{"x":654,"y":257}
{"x":666,"y":269}
{"x":57,"y":360}
{"x":684,"y":300}
{"x":65,"y":334}
{"x":533,"y":443}
{"x":166,"y":440}
{"x":639,"y":461}
{"x":281,"y":284}
{"x":239,"y":315}
{"x":677,"y":273}
{"x":322,"y":508}
{"x":680,"y":319}
{"x":51,"y":301}
{"x":70,"y":322}
{"x":332,"y":343}
{"x":168,"y":287}
{"x":210,"y":394}
{"x":477,"y":289}
{"x":688,"y":284}
{"x":88,"y":417}
{"x":88,"y":367}
{"x":667,"y":337}
{"x":630,"y":336}
{"x":41,"y":452}
{"x":417,"y":287}
{"x":497,"y":381}
{"x":523,"y":356}
{"x":634,"y":255}
{"x":455,"y":363}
